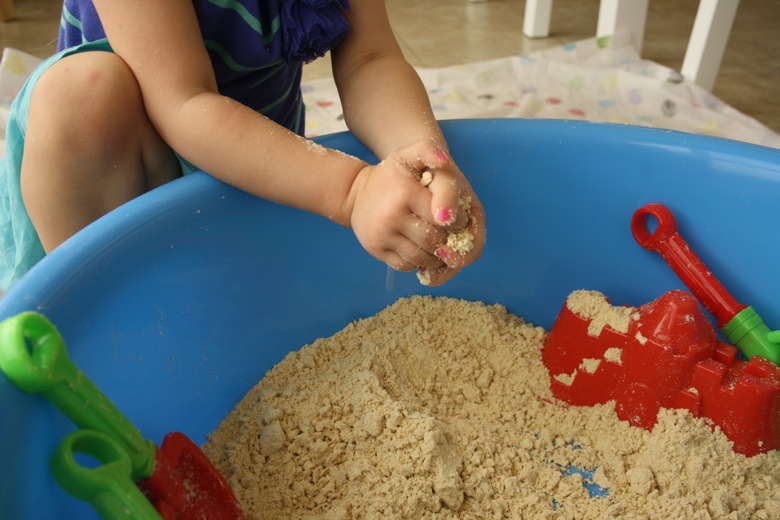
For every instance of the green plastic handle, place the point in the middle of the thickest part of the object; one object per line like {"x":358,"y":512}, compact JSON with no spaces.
{"x":748,"y":331}
{"x":33,"y":356}
{"x":107,"y":486}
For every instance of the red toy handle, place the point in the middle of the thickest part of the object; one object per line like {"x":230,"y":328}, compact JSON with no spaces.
{"x":689,"y":267}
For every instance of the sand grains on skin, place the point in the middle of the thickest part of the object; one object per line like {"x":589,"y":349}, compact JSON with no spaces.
{"x":438,"y":408}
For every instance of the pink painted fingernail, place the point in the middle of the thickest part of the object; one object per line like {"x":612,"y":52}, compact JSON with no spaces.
{"x":441,"y":253}
{"x":441,"y":155}
{"x":444,"y":216}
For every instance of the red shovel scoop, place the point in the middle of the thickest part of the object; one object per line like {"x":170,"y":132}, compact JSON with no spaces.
{"x":177,"y":478}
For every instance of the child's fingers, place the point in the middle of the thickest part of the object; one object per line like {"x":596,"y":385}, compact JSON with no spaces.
{"x":421,"y":156}
{"x":438,"y":275}
{"x":445,"y":183}
{"x":425,"y":235}
{"x":464,"y":247}
{"x":447,"y":206}
{"x":395,"y":262}
{"x":434,"y":169}
{"x":443,"y":228}
{"x":405,"y":255}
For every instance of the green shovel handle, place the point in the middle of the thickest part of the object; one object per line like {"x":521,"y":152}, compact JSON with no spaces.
{"x":750,"y":334}
{"x":107,"y":486}
{"x":33,"y":356}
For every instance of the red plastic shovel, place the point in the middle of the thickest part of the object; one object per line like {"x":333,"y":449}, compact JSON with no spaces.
{"x":738,"y":322}
{"x":177,"y":478}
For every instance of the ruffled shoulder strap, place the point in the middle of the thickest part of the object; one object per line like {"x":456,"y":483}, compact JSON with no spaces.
{"x":310,"y":28}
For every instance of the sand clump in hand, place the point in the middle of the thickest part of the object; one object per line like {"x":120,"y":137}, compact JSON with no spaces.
{"x":438,"y":408}
{"x":462,"y":240}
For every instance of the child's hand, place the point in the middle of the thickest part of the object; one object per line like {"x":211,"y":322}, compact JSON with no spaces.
{"x":406,"y":224}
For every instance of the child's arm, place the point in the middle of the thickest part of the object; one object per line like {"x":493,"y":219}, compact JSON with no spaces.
{"x":387,"y":107}
{"x":385,"y":103}
{"x":161,"y":43}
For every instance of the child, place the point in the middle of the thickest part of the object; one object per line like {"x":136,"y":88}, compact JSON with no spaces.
{"x":145,"y":91}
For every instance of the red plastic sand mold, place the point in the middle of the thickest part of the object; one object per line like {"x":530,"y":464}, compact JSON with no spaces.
{"x":665,"y":354}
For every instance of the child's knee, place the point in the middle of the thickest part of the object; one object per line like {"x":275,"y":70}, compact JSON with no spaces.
{"x":87,"y":97}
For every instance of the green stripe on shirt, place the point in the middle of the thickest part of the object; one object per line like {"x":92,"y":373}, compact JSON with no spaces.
{"x":68,"y":18}
{"x":228,"y":59}
{"x":283,"y":97}
{"x":250,"y":20}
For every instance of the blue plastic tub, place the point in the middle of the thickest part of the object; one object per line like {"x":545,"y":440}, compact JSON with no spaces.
{"x":178,"y":302}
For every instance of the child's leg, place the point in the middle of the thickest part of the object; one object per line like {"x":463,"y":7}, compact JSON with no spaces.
{"x":89,"y":146}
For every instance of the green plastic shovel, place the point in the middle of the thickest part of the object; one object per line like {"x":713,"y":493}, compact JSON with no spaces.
{"x":33,"y":356}
{"x":178,"y":479}
{"x":108,"y":486}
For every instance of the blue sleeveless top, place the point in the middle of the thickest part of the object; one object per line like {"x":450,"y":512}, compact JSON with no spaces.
{"x":256,"y":47}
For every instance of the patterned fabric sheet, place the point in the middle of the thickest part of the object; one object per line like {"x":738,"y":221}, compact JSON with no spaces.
{"x":600,"y":79}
